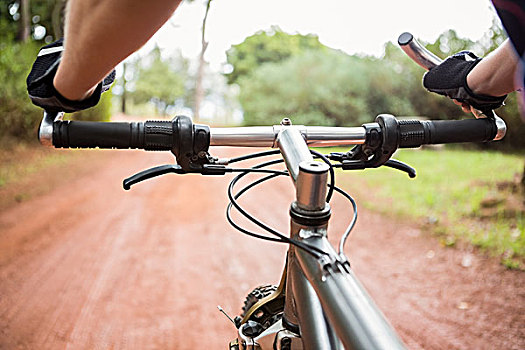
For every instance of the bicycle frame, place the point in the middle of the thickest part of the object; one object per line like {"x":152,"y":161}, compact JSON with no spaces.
{"x":323,"y":297}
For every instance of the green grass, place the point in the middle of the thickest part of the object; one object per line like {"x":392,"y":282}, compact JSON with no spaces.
{"x":449,"y":195}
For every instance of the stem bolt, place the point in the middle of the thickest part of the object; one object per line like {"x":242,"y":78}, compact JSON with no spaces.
{"x":286,"y":122}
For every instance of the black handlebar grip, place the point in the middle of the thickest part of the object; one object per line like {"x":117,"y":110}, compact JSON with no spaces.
{"x":150,"y":135}
{"x":414,"y":133}
{"x":77,"y":134}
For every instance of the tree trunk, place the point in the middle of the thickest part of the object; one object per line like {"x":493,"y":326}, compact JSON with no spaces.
{"x":24,"y":26}
{"x":523,"y":183}
{"x":124,"y":92}
{"x":123,"y":102}
{"x":57,"y":19}
{"x":199,"y":89}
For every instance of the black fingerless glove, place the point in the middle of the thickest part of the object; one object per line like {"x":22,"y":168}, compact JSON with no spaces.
{"x":40,"y":83}
{"x":450,"y":79}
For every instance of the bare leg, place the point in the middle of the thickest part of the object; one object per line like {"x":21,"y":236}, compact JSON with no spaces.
{"x":101,"y":33}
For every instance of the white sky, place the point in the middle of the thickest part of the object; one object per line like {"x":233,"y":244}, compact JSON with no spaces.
{"x":352,"y":26}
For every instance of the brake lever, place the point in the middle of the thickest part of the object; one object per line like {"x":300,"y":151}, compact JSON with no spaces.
{"x":396,"y":164}
{"x":150,"y":173}
{"x":349,"y":164}
{"x":206,"y":169}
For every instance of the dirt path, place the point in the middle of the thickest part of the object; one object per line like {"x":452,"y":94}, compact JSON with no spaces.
{"x":90,"y":266}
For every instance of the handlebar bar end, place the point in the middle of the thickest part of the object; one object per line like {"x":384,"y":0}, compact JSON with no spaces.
{"x":405,"y":39}
{"x":45,"y":131}
{"x":501,"y":128}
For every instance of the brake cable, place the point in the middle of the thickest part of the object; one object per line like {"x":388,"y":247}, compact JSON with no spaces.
{"x":254,"y":155}
{"x":239,"y":228}
{"x":274,"y":152}
{"x":350,"y":227}
{"x":274,"y":173}
{"x":316,"y":252}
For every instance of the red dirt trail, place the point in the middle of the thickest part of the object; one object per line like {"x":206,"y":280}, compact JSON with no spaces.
{"x":91,"y":266}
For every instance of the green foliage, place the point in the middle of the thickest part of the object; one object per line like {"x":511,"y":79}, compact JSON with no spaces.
{"x":322,"y":87}
{"x":46,"y":19}
{"x":161,"y":82}
{"x":8,"y":26}
{"x":449,"y":42}
{"x":101,"y":112}
{"x":296,"y":88}
{"x":449,"y":193}
{"x":18,"y":117}
{"x":295,"y":76}
{"x":409,"y":76}
{"x":313,"y":83}
{"x":267,"y":47}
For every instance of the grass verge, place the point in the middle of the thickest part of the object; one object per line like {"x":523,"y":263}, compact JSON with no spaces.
{"x":463,"y":196}
{"x":30,"y":170}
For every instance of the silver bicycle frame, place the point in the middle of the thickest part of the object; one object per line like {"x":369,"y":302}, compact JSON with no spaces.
{"x":323,"y":295}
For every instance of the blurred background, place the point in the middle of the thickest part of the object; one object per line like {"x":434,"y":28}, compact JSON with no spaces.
{"x":234,"y":62}
{"x":85,"y":264}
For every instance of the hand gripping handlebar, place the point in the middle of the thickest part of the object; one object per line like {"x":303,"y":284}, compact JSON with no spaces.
{"x":428,"y":60}
{"x":190,"y":142}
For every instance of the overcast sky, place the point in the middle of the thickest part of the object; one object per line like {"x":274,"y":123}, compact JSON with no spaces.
{"x":352,"y":26}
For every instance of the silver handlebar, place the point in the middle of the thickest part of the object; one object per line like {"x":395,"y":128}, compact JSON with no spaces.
{"x":417,"y":52}
{"x":266,"y":136}
{"x":253,"y":136}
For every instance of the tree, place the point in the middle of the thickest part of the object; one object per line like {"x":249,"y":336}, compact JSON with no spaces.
{"x":321,"y":87}
{"x":159,"y":82}
{"x":199,"y":90}
{"x":124,"y":93}
{"x":409,"y":76}
{"x":449,"y":43}
{"x":18,"y":117}
{"x":24,"y":29}
{"x":36,"y":19}
{"x":267,"y":47}
{"x":24,"y":25}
